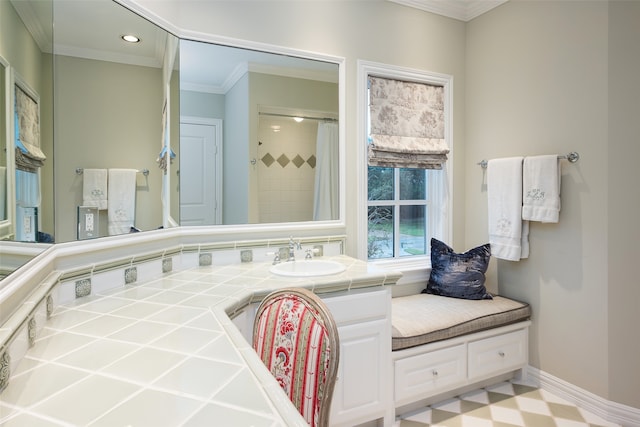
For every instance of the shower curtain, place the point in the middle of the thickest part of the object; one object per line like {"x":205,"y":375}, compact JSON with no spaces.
{"x":325,"y":200}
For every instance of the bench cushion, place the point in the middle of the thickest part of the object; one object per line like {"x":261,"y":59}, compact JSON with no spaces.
{"x":424,"y":318}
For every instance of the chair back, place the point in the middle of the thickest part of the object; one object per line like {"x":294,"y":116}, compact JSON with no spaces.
{"x":297,"y":339}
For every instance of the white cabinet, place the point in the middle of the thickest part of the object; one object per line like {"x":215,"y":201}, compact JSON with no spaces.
{"x":363,"y":392}
{"x":425,"y":371}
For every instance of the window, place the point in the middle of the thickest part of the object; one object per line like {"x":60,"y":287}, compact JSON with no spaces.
{"x":397,"y":206}
{"x":405,"y":207}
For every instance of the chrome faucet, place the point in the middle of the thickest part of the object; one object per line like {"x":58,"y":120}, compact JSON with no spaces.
{"x":293,"y":245}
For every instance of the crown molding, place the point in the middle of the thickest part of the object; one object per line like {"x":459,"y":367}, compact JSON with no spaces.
{"x":30,"y":17}
{"x":462,"y":10}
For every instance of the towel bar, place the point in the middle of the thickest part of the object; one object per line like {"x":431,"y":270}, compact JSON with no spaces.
{"x":145,"y":171}
{"x":571,"y":157}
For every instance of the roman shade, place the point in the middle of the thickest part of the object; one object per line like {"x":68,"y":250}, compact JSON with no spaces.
{"x":29,"y":156}
{"x":407,"y":124}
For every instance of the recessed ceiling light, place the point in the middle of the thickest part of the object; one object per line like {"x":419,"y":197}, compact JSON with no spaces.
{"x":130,"y":38}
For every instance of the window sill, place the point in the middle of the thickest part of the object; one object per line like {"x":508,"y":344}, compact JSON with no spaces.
{"x":414,"y":269}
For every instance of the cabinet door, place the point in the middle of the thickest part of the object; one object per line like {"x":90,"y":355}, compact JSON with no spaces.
{"x":362,"y":390}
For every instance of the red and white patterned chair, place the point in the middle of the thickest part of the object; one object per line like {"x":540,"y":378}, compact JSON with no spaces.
{"x":297,"y":339}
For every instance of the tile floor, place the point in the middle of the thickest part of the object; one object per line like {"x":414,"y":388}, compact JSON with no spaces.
{"x":503,"y":405}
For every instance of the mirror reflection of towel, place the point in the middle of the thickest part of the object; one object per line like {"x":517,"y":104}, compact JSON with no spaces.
{"x":121,"y":200}
{"x":94,"y":188}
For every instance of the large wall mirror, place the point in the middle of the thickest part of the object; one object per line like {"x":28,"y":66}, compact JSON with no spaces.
{"x":218,"y":135}
{"x":266,"y":126}
{"x":26,"y":130}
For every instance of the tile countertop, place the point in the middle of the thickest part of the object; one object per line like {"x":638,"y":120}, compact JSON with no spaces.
{"x":163,"y":353}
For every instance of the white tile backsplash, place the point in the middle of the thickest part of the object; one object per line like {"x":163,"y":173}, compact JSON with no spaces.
{"x":64,"y":293}
{"x":224,"y":257}
{"x":106,"y":280}
{"x":18,"y":347}
{"x":189,"y":260}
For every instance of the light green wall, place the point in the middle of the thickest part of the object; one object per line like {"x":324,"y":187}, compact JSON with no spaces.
{"x":18,"y":47}
{"x":235,"y":154}
{"x":624,"y":202}
{"x":555,"y":77}
{"x":201,"y":104}
{"x":107,"y":115}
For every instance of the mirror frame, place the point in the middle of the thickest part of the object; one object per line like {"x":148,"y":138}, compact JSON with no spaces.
{"x":6,"y":224}
{"x":337,"y":225}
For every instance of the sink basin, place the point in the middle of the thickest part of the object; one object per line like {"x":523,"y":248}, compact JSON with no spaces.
{"x":307,"y":268}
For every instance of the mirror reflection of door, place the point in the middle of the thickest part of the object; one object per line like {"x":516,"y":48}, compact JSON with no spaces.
{"x":200,"y":171}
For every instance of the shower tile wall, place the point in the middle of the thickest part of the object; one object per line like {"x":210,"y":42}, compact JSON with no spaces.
{"x":286,"y":169}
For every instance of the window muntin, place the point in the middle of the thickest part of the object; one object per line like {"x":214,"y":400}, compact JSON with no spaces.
{"x":397,"y":212}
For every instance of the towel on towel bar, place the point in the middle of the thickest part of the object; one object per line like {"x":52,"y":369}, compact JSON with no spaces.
{"x":122,"y":200}
{"x":541,"y":188}
{"x":94,"y":188}
{"x":508,"y":233}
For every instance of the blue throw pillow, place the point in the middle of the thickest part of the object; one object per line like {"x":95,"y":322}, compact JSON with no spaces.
{"x":458,"y":275}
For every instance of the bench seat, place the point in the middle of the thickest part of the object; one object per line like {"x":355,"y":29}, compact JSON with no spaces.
{"x":425,"y":318}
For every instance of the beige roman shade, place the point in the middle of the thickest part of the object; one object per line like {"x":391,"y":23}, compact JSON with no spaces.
{"x":29,"y":156}
{"x":407,"y":124}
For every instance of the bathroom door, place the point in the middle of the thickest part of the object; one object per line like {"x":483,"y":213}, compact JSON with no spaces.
{"x":200,"y":171}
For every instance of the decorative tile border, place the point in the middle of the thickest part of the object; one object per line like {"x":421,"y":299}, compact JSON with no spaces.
{"x":5,"y":369}
{"x":32,"y":331}
{"x":205,"y":260}
{"x":83,"y":288}
{"x":130,"y":275}
{"x":246,"y":255}
{"x":283,"y":160}
{"x":167,"y":264}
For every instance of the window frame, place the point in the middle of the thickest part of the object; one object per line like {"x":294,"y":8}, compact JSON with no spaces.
{"x":439,"y":209}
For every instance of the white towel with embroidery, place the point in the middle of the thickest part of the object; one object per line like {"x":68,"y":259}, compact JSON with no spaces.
{"x":541,"y":188}
{"x":94,"y":188}
{"x":121,"y":200}
{"x":508,"y":234}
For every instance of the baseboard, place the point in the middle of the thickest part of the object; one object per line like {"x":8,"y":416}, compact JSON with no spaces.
{"x":626,"y":416}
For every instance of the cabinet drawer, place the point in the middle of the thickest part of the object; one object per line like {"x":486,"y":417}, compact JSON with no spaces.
{"x":499,"y":354}
{"x":423,"y":374}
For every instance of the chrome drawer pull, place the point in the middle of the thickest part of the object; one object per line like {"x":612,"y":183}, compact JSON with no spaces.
{"x":501,"y":353}
{"x":435,"y":373}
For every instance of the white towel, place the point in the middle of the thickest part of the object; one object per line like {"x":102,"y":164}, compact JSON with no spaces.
{"x":541,"y":188}
{"x":121,"y":200}
{"x":508,"y":235}
{"x":94,"y":188}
